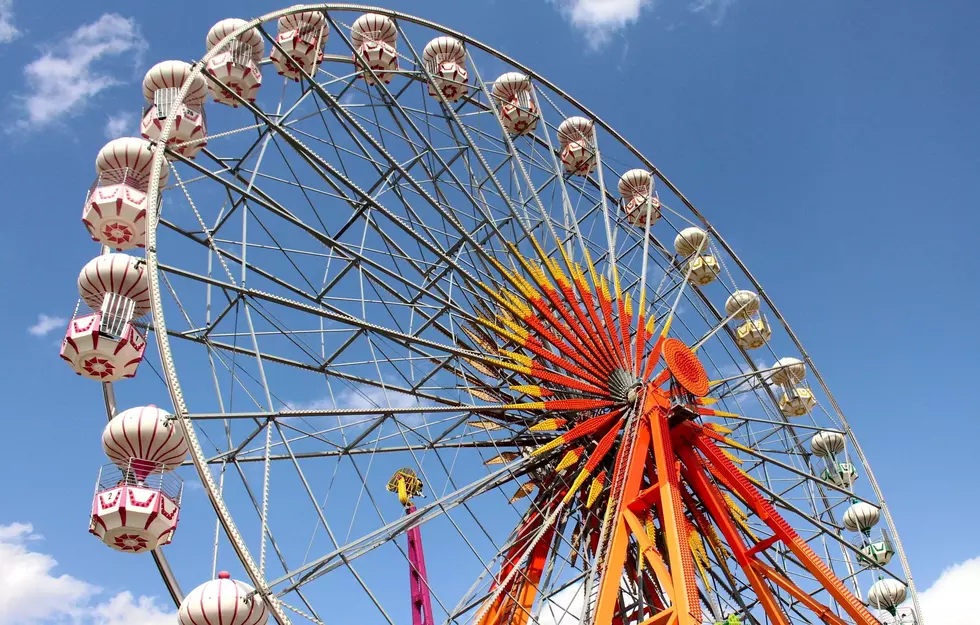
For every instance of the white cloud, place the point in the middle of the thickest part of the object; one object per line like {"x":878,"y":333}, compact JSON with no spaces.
{"x":564,"y":608}
{"x":64,"y":78}
{"x":714,"y":9}
{"x":949,"y":601}
{"x":8,"y":32}
{"x":46,"y":324}
{"x":33,"y":594}
{"x":601,"y":19}
{"x":121,"y":124}
{"x":124,"y":609}
{"x":18,"y":531}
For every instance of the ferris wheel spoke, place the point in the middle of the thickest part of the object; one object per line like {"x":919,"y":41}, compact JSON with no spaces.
{"x":414,"y":343}
{"x":364,"y":544}
{"x":278,"y":552}
{"x":298,"y":291}
{"x":398,"y":222}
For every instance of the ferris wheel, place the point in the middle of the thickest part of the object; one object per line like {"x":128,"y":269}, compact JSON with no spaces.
{"x":437,"y":341}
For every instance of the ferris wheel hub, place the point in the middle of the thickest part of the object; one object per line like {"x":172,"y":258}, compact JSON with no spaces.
{"x":623,"y":386}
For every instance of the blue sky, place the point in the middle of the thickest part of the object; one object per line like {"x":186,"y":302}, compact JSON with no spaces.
{"x":834,"y":144}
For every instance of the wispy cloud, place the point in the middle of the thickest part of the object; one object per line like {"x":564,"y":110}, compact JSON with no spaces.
{"x":121,"y":124}
{"x":600,"y":20}
{"x":714,"y":9}
{"x":46,"y":324}
{"x":8,"y":32}
{"x":65,"y":77}
{"x":33,"y":593}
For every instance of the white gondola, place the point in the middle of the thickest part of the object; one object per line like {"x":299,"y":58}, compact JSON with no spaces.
{"x":702,"y":268}
{"x":137,"y":502}
{"x":517,"y":110}
{"x":841,"y":474}
{"x":797,"y":402}
{"x":576,"y":135}
{"x":236,"y":67}
{"x":224,"y":600}
{"x":640,"y":201}
{"x":160,"y":87}
{"x":861,"y":517}
{"x":827,"y":444}
{"x":302,"y":37}
{"x":104,"y":344}
{"x":374,"y":38}
{"x":887,"y":594}
{"x":115,"y":207}
{"x":445,"y":59}
{"x":746,"y":306}
{"x":136,"y":506}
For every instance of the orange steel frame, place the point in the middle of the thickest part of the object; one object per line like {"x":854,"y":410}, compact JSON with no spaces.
{"x":664,"y":453}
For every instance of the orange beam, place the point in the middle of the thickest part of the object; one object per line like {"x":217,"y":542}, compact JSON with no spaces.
{"x":823,"y":612}
{"x":529,"y":582}
{"x":616,"y":557}
{"x":662,"y":618}
{"x":685,"y":597}
{"x":649,"y":551}
{"x":820,"y":571}
{"x":715,"y":504}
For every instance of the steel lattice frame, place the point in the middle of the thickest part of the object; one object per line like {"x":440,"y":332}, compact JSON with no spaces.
{"x":416,"y":199}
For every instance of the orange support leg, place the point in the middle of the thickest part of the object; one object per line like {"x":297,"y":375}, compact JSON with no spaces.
{"x":823,"y":612}
{"x":616,"y":557}
{"x":685,"y":599}
{"x":820,"y":571}
{"x":715,"y":504}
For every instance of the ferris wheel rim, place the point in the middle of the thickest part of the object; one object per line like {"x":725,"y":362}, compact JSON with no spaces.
{"x":166,"y":357}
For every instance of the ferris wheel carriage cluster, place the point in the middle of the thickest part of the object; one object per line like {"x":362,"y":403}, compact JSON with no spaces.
{"x":235,"y":69}
{"x":103,"y":341}
{"x":375,"y":38}
{"x":299,"y":43}
{"x":639,"y":200}
{"x":161,"y":85}
{"x":138,"y":494}
{"x":515,"y":98}
{"x":137,"y":498}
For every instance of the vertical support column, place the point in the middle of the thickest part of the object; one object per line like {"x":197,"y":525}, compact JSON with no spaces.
{"x":686,"y":602}
{"x":631,"y":478}
{"x":418,"y":578}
